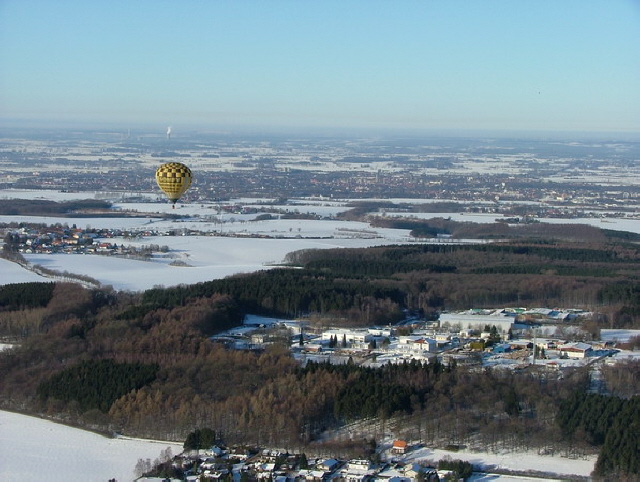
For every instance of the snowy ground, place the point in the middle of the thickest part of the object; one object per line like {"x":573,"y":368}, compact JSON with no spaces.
{"x":620,"y":224}
{"x":621,"y":336}
{"x":204,"y":258}
{"x":510,"y":462}
{"x":14,"y":273}
{"x":39,"y":450}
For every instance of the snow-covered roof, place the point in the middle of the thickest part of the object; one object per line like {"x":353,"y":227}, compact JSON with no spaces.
{"x":576,"y":346}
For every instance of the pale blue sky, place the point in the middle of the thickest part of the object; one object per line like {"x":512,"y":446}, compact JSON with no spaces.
{"x":446,"y":64}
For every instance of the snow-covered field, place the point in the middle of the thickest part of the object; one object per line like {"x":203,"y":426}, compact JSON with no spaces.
{"x":617,"y":224}
{"x":39,"y":450}
{"x":510,"y":461}
{"x":13,"y":273}
{"x":621,"y":336}
{"x":204,"y":258}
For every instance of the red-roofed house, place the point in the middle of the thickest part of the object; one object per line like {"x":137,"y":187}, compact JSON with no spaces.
{"x":399,"y":447}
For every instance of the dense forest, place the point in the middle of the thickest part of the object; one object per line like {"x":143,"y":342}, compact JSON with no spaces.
{"x":374,"y":285}
{"x":41,"y":207}
{"x":143,"y":363}
{"x":612,"y":423}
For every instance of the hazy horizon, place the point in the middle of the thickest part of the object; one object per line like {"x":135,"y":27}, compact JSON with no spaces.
{"x":188,"y":130}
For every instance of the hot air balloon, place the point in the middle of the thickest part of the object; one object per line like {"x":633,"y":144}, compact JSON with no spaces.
{"x":174,"y":178}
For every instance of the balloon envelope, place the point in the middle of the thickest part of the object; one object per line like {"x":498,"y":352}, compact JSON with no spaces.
{"x":174,"y":178}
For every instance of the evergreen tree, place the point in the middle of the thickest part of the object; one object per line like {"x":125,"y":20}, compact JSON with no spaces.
{"x":200,"y":439}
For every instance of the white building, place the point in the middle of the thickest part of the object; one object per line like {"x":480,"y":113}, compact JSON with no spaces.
{"x":380,"y":332}
{"x":575,"y":350}
{"x":478,"y":319}
{"x":355,"y":338}
{"x":358,"y":471}
{"x":416,"y":343}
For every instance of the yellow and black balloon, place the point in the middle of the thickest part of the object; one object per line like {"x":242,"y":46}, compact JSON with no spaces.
{"x":174,"y":178}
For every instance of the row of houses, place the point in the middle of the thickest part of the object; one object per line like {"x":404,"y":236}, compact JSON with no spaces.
{"x":65,"y":240}
{"x":220,"y":464}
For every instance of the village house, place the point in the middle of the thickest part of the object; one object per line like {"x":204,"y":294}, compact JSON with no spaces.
{"x":399,"y":447}
{"x":313,"y":347}
{"x":355,"y":338}
{"x":358,"y":470}
{"x":575,"y":350}
{"x":407,"y":473}
{"x":328,"y":465}
{"x":502,"y":348}
{"x":264,"y":471}
{"x":215,"y":451}
{"x":414,"y":471}
{"x":380,"y":332}
{"x":312,"y":475}
{"x":416,"y":343}
{"x":391,"y":474}
{"x":521,"y":345}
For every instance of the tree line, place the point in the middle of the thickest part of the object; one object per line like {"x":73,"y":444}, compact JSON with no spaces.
{"x":375,"y":285}
{"x":25,"y":295}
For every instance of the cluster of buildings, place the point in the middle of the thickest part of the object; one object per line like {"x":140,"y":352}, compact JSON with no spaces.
{"x":67,"y":240}
{"x":218,"y":463}
{"x":509,"y":336}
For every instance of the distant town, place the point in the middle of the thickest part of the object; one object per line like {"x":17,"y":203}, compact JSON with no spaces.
{"x":513,"y":177}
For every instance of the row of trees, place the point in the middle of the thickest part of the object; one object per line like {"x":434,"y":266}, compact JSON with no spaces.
{"x":41,"y":207}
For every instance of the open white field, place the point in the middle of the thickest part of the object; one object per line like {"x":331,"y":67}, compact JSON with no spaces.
{"x":207,"y":258}
{"x":246,"y":245}
{"x":37,"y":450}
{"x":620,"y":335}
{"x":14,"y":273}
{"x":617,"y":224}
{"x":510,"y":461}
